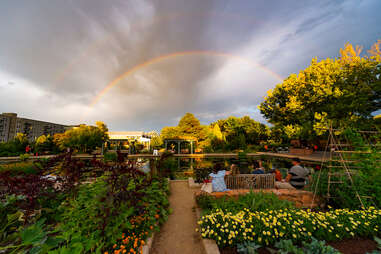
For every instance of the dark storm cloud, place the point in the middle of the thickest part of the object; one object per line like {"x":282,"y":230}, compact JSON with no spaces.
{"x":63,"y":53}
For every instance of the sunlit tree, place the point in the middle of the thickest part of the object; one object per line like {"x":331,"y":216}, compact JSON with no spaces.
{"x":343,"y":91}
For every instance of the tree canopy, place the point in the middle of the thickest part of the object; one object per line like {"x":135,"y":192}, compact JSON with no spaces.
{"x":188,"y":126}
{"x":344,"y":91}
{"x":83,"y":138}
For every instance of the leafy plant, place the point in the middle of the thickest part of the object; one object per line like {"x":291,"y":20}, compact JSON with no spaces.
{"x":248,"y":248}
{"x":10,"y":220}
{"x":313,"y":247}
{"x":318,"y":247}
{"x":378,"y":241}
{"x":287,"y":246}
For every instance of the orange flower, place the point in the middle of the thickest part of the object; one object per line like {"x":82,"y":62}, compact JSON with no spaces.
{"x":157,"y":216}
{"x":114,"y":246}
{"x":106,"y":252}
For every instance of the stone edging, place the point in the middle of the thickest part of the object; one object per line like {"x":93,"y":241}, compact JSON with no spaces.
{"x":148,"y":245}
{"x":192,"y":184}
{"x":210,"y":246}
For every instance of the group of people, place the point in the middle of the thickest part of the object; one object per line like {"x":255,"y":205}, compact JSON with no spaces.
{"x":296,"y":178}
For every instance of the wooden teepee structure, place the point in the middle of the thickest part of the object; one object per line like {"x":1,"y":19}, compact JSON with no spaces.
{"x":337,"y":161}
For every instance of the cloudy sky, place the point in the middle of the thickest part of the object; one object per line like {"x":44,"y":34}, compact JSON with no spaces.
{"x":163,"y":58}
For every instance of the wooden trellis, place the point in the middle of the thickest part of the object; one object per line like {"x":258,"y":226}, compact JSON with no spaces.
{"x":338,"y":165}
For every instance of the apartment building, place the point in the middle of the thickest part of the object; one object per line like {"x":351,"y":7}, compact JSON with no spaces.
{"x":10,"y":125}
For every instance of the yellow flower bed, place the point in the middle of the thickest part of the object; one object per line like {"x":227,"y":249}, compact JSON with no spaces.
{"x":266,"y":228}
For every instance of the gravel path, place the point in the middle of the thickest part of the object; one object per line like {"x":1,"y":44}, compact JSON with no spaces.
{"x":178,"y":235}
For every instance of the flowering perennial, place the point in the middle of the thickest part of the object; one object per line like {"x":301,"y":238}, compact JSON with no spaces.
{"x":268,"y":227}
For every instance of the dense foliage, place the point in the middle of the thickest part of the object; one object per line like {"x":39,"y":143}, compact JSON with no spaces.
{"x":62,"y":207}
{"x":83,"y":138}
{"x":233,"y":133}
{"x":14,"y":147}
{"x":343,"y":91}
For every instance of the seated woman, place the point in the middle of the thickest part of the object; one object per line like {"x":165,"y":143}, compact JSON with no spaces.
{"x":257,"y":168}
{"x":234,"y":169}
{"x":218,"y":181}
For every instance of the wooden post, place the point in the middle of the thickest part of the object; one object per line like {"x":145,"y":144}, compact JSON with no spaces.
{"x":178,"y":147}
{"x":191,"y":147}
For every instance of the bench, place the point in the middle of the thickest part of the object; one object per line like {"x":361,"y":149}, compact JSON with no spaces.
{"x":250,"y":181}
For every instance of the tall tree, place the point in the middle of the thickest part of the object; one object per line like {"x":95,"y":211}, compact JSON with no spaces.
{"x":169,"y":132}
{"x":343,"y":91}
{"x":189,"y":125}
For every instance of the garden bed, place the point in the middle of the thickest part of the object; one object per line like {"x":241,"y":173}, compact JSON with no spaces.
{"x":261,"y":221}
{"x":300,"y":198}
{"x":114,"y":213}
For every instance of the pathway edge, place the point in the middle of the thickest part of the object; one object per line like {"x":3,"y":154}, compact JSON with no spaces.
{"x":210,"y":246}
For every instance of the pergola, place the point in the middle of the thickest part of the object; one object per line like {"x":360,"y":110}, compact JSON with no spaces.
{"x":178,"y":140}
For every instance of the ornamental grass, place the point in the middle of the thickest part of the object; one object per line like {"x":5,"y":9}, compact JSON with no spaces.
{"x":268,"y":227}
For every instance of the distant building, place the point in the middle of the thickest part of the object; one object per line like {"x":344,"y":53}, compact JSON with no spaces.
{"x":10,"y":125}
{"x":123,"y":138}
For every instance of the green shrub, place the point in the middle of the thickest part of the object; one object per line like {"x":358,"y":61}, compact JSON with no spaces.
{"x":110,"y":157}
{"x":251,"y":201}
{"x":24,"y":157}
{"x":20,"y":167}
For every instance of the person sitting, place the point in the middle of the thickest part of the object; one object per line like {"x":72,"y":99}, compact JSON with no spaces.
{"x":234,"y":169}
{"x":218,"y":180}
{"x":296,"y":177}
{"x":257,"y":168}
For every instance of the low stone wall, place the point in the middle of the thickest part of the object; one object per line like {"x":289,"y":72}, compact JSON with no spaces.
{"x":192,"y":184}
{"x":301,"y":198}
{"x":147,"y":247}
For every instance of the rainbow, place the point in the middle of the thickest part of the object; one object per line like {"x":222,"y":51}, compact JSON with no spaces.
{"x":179,"y":54}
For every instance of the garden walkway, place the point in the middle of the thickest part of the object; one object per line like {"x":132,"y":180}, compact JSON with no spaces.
{"x":178,"y":235}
